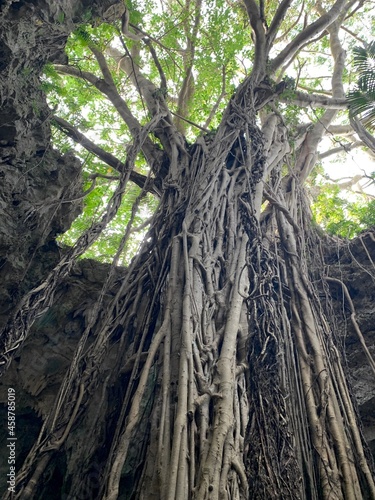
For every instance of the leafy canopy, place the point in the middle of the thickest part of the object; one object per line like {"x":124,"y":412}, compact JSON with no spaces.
{"x":194,"y":54}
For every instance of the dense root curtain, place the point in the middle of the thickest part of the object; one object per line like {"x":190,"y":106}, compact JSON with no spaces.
{"x":236,"y":385}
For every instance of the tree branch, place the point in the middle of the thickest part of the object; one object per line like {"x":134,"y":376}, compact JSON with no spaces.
{"x":354,"y":35}
{"x":362,"y":133}
{"x":259,"y":67}
{"x":289,"y":61}
{"x":308,"y":152}
{"x":118,"y":102}
{"x":103,"y":66}
{"x":315,"y":100}
{"x":310,"y":31}
{"x":276,"y":22}
{"x":163,"y":79}
{"x":90,"y":146}
{"x":187,"y":88}
{"x":285,"y":34}
{"x":339,"y":149}
{"x":340,"y":130}
{"x":153,"y":97}
{"x":125,"y":27}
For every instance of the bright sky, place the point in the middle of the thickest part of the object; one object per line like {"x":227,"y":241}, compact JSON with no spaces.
{"x":355,"y":162}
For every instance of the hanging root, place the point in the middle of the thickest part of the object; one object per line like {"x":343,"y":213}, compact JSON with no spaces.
{"x":328,"y":406}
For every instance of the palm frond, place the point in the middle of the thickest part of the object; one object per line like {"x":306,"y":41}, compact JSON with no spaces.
{"x":362,"y":96}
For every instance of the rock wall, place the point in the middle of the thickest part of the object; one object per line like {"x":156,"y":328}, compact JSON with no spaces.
{"x":353,"y":264}
{"x":36,"y":181}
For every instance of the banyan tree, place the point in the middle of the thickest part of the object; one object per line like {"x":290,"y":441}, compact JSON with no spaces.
{"x":205,"y":359}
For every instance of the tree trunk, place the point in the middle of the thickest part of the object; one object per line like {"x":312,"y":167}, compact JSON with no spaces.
{"x":210,"y":367}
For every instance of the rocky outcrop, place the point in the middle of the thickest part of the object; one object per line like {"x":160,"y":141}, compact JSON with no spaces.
{"x":354,"y":264}
{"x":39,"y":187}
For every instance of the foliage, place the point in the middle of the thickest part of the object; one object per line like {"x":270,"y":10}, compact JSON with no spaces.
{"x":335,"y":212}
{"x":362,"y":97}
{"x":216,"y":61}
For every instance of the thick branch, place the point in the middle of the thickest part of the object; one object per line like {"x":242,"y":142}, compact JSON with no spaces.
{"x":339,"y":149}
{"x":363,"y":134}
{"x":307,"y":157}
{"x":107,"y":90}
{"x":315,"y":101}
{"x":276,"y":21}
{"x":125,"y":27}
{"x":289,"y":61}
{"x":118,"y":102}
{"x":152,"y":96}
{"x":310,"y":31}
{"x":339,"y":56}
{"x":284,"y":35}
{"x":187,"y":88}
{"x":259,"y":68}
{"x":341,"y":130}
{"x":163,"y":79}
{"x":103,"y":66}
{"x":90,"y":146}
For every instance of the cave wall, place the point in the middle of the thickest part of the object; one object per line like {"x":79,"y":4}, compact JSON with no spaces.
{"x":36,"y":184}
{"x":34,"y":178}
{"x":353,"y":264}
